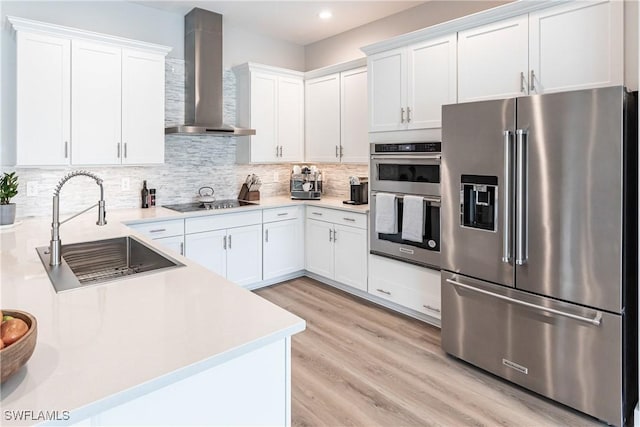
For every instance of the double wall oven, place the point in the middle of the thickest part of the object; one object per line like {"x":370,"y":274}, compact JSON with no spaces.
{"x":407,"y":169}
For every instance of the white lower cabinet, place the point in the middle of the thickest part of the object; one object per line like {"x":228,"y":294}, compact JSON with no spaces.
{"x":283,"y":237}
{"x":334,"y":250}
{"x":175,"y":243}
{"x":411,"y":286}
{"x":169,"y":234}
{"x":230,"y":245}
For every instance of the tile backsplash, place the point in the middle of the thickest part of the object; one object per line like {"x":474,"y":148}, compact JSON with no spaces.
{"x":190,"y":163}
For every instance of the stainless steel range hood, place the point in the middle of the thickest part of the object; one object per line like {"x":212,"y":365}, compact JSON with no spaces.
{"x":203,"y":85}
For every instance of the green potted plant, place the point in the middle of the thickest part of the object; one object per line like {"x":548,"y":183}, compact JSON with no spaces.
{"x":8,"y":189}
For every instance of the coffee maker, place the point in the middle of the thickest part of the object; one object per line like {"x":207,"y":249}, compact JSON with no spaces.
{"x":359,"y":191}
{"x":306,"y":183}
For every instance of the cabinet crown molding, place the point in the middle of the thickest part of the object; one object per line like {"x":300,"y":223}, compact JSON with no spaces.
{"x":249,"y":67}
{"x":31,"y":26}
{"x":498,"y":13}
{"x":336,"y":68}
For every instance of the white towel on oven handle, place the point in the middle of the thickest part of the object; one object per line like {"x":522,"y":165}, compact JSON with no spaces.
{"x":386,"y":213}
{"x":412,"y":218}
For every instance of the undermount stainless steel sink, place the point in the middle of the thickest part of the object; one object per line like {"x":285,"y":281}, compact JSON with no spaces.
{"x":88,"y":263}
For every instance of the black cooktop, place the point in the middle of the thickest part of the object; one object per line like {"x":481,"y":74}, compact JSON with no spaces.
{"x":218,"y":204}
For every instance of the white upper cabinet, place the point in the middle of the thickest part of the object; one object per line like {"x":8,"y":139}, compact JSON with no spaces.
{"x":43,"y":99}
{"x":322,"y":115}
{"x":87,"y":98}
{"x":96,"y":103}
{"x":142,"y":107}
{"x":492,"y":60}
{"x":576,"y":45}
{"x":354,"y":129}
{"x":271,"y":101}
{"x":409,"y":85}
{"x":336,"y":115}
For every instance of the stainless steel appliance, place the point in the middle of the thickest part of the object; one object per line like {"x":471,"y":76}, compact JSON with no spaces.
{"x":306,"y":185}
{"x":217,"y":204}
{"x":407,"y":169}
{"x":539,"y":210}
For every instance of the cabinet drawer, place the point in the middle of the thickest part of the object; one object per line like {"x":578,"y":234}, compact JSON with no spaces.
{"x":337,"y":216}
{"x":219,"y":222}
{"x":411,"y":286}
{"x":279,"y":214}
{"x":159,"y":229}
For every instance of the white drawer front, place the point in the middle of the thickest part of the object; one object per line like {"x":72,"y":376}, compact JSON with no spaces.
{"x":279,"y":214}
{"x":159,"y":229}
{"x":219,"y":222}
{"x":337,"y":216}
{"x":321,"y":214}
{"x":411,"y":286}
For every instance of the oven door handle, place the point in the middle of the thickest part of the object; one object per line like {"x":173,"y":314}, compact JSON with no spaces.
{"x":435,"y":157}
{"x":431,"y":199}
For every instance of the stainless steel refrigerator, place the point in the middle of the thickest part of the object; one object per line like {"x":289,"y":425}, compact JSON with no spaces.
{"x":539,"y":244}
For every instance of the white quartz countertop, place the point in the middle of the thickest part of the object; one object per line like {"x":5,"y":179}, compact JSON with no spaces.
{"x":102,"y":345}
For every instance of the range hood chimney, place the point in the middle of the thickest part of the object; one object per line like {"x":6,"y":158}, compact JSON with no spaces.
{"x":203,"y":80}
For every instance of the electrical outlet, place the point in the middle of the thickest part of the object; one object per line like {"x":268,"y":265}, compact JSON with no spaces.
{"x":32,"y":188}
{"x":125,"y":184}
{"x":276,"y":177}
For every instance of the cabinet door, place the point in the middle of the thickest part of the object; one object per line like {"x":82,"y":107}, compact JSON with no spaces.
{"x":43,"y":99}
{"x":493,"y":60}
{"x":244,"y":254}
{"x":351,"y":256}
{"x":322,"y":131}
{"x":387,"y":90}
{"x":209,"y":250}
{"x":283,"y":250}
{"x":576,"y":46}
{"x":142,"y":107}
{"x":96,"y":103}
{"x":290,"y":119}
{"x":354,"y":131}
{"x":431,"y":82}
{"x":264,"y":110}
{"x":174,"y":243}
{"x":319,"y":248}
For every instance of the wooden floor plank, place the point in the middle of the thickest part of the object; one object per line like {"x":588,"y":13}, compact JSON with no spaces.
{"x":359,"y":364}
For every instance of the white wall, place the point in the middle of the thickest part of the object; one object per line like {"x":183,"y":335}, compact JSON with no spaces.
{"x":346,"y":46}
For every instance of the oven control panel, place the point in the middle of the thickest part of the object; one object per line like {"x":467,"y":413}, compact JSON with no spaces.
{"x":414,"y":147}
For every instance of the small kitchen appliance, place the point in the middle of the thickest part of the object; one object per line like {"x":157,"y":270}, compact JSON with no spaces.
{"x":359,"y":191}
{"x":306,"y":184}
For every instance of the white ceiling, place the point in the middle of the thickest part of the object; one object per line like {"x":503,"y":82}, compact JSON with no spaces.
{"x":293,"y":21}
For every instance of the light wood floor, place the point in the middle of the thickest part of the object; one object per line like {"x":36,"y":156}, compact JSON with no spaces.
{"x":360,"y":364}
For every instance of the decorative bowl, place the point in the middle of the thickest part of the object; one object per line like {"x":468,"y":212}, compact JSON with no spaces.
{"x":14,"y":356}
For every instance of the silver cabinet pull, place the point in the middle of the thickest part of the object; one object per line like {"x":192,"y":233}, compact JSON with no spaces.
{"x":119,"y":150}
{"x":283,"y":214}
{"x":181,"y":248}
{"x":229,"y":241}
{"x":224,"y":242}
{"x":522,"y":86}
{"x":408,"y":114}
{"x":316,"y":213}
{"x":281,"y":151}
{"x":276,"y":151}
{"x":521,"y":199}
{"x":383,"y":291}
{"x":341,"y":151}
{"x":428,"y":307}
{"x":532,"y":83}
{"x":596,"y":321}
{"x":66,"y":149}
{"x":337,"y":154}
{"x":125,"y":150}
{"x":335,"y":236}
{"x":158,"y":230}
{"x":266,"y":235}
{"x":330,"y":234}
{"x":349,"y":219}
{"x":401,"y":115}
{"x":508,"y":161}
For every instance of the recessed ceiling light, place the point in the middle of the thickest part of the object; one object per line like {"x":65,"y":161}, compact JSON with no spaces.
{"x":325,"y":14}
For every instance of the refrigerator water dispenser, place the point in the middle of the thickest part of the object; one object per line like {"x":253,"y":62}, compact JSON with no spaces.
{"x":478,"y":202}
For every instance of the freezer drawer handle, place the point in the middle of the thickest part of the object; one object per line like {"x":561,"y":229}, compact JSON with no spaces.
{"x":596,"y":321}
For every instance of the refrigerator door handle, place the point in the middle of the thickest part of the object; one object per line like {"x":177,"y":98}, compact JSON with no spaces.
{"x":596,"y":321}
{"x":506,"y":236}
{"x":521,"y":198}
